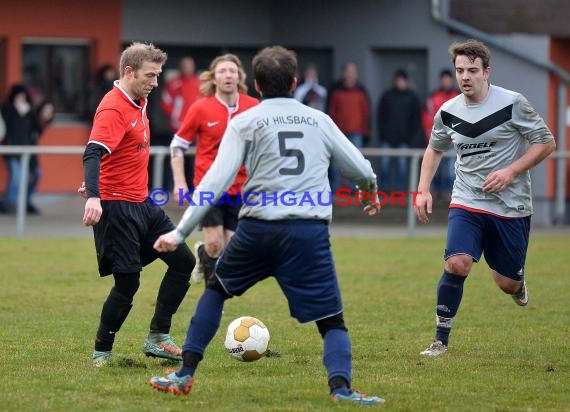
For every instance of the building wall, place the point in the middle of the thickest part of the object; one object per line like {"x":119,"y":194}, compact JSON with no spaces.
{"x":560,"y":52}
{"x":59,"y":19}
{"x":515,"y":16}
{"x":203,"y":23}
{"x":352,"y":30}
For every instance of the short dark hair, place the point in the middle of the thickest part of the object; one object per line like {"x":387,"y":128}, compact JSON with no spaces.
{"x":401,"y":74}
{"x":274,"y":69}
{"x":472,"y":49}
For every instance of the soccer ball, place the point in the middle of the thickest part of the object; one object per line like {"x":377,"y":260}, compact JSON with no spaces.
{"x":247,"y":339}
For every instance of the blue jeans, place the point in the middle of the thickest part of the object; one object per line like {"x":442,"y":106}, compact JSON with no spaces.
{"x":400,"y":181}
{"x":335,"y":178}
{"x":15,"y":171}
{"x":444,"y":176}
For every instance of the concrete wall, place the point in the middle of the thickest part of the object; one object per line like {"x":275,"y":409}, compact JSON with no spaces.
{"x":515,"y":16}
{"x":353,"y":30}
{"x":203,"y":23}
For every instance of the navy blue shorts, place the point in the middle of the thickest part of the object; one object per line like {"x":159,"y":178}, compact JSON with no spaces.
{"x":296,"y":252}
{"x":503,"y":242}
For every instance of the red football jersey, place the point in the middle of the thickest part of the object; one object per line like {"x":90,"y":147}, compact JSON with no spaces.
{"x":207,"y":120}
{"x":178,"y":95}
{"x":121,"y":126}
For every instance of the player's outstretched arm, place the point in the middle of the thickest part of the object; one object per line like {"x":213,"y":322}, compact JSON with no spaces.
{"x":218,"y":178}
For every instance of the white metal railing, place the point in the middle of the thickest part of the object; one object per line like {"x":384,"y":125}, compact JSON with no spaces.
{"x":159,"y":154}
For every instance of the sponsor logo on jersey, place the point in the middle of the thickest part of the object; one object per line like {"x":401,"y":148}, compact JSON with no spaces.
{"x":470,"y":146}
{"x":141,"y":147}
{"x":465,"y":146}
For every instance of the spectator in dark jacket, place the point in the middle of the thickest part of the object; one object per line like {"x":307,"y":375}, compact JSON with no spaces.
{"x":399,"y":126}
{"x":102,"y":83}
{"x":23,"y":128}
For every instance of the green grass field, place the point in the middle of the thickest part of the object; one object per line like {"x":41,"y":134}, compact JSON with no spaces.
{"x":501,"y":358}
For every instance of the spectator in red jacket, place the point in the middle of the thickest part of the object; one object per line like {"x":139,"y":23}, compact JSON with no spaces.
{"x":349,"y":107}
{"x":180,"y":92}
{"x":443,"y":179}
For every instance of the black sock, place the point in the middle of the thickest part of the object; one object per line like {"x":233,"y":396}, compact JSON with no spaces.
{"x":115,"y":310}
{"x":338,"y":382}
{"x":190,"y":361}
{"x":170,"y":295}
{"x":104,"y":339}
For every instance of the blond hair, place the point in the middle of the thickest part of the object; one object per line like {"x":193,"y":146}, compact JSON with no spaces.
{"x":207,"y":83}
{"x":137,"y":53}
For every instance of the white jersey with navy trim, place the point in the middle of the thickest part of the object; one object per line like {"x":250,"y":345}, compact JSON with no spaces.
{"x":489,"y":136}
{"x":286,"y":148}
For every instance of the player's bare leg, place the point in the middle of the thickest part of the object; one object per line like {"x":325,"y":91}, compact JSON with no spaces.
{"x":516,"y":288}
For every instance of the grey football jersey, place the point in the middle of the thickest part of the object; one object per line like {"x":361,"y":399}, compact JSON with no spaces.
{"x":489,"y":136}
{"x":286,"y":148}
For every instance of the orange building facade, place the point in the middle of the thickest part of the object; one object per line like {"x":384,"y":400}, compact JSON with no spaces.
{"x":560,"y":55}
{"x":59,"y":21}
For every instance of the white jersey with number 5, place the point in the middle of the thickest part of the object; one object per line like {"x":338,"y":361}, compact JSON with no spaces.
{"x":286,"y":148}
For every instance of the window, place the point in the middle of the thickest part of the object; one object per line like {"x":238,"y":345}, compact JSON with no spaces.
{"x":58,"y":70}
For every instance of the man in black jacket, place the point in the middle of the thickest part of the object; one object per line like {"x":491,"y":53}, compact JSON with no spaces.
{"x":399,"y":126}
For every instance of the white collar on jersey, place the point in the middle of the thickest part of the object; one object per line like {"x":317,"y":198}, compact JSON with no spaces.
{"x":116,"y":84}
